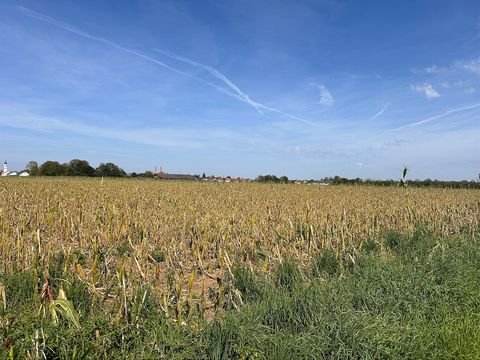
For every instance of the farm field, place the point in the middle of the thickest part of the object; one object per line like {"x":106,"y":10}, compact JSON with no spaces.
{"x":153,"y":269}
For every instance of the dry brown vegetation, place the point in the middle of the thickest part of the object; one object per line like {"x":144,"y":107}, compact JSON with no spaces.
{"x":181,"y":238}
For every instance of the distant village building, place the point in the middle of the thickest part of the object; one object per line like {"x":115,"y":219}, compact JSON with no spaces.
{"x":227,"y":179}
{"x":165,"y":176}
{"x":5,"y":171}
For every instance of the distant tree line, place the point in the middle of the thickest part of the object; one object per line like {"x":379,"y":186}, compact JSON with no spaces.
{"x":337,"y":180}
{"x":147,"y":174}
{"x":427,"y":183}
{"x":75,"y":167}
{"x":272,"y":179}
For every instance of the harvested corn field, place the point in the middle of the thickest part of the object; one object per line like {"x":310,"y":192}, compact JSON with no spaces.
{"x":150,"y":228}
{"x":194,"y":223}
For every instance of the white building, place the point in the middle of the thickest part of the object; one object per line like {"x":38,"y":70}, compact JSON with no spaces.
{"x":13,"y":173}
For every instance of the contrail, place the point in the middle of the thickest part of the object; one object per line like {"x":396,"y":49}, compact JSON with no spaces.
{"x":72,"y":29}
{"x":435,"y":117}
{"x":215,"y":73}
{"x":237,"y":94}
{"x":380,"y":112}
{"x":219,"y":76}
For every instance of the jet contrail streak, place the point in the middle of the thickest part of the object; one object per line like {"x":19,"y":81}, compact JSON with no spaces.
{"x":219,"y":76}
{"x":237,"y":93}
{"x":435,"y":117}
{"x":215,"y":73}
{"x":380,"y":112}
{"x":72,"y":29}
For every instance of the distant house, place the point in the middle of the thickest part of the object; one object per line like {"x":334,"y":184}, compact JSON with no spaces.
{"x":5,"y":171}
{"x":227,"y":179}
{"x":165,"y":176}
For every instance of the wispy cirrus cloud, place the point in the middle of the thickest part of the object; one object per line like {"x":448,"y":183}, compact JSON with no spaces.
{"x":464,"y":85}
{"x":326,"y":98}
{"x":472,"y":66}
{"x":465,"y":65}
{"x":196,"y":138}
{"x":18,"y":117}
{"x":323,"y":95}
{"x":430,"y":70}
{"x":455,"y":77}
{"x":434,"y":69}
{"x":427,"y":89}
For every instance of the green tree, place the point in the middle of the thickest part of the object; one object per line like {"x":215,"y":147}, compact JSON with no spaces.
{"x":271,"y":179}
{"x":109,"y":169}
{"x":32,"y":167}
{"x":77,"y":167}
{"x":52,"y":168}
{"x":260,"y":178}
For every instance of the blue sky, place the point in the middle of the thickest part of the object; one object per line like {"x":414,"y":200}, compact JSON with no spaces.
{"x":304,"y":88}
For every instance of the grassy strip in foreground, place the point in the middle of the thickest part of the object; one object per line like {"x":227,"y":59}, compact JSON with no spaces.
{"x":402,"y":298}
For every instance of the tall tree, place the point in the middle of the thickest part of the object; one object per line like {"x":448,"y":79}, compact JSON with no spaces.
{"x":52,"y":168}
{"x":32,"y":167}
{"x":77,"y":167}
{"x":109,"y":169}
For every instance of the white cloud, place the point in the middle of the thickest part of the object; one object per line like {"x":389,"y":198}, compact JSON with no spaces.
{"x":466,"y":86}
{"x":472,"y":66}
{"x":434,"y":69}
{"x":294,"y":149}
{"x":18,"y":117}
{"x":326,"y":98}
{"x":431,"y":70}
{"x":427,"y":89}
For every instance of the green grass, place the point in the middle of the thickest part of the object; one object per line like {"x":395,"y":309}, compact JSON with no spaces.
{"x":412,"y":297}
